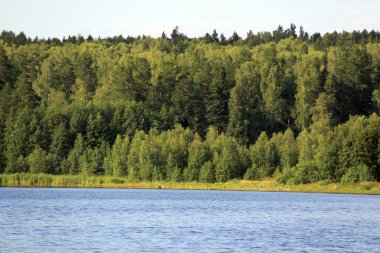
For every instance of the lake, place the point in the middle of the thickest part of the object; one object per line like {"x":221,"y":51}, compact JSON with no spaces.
{"x":126,"y":220}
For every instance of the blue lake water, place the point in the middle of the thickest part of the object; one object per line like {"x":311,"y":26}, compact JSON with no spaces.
{"x":124,"y":220}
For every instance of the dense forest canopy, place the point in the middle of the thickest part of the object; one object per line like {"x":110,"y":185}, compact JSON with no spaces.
{"x":286,"y":104}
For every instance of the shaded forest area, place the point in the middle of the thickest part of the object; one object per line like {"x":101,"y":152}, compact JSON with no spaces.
{"x":297,"y":107}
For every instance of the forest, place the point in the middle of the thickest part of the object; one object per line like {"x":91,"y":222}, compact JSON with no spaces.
{"x":285,"y":104}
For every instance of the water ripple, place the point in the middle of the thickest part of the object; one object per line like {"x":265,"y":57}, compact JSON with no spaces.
{"x":121,"y":220}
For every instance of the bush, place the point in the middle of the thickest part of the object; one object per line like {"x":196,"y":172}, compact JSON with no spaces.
{"x":40,"y":161}
{"x":357,"y":174}
{"x":285,"y":176}
{"x":207,"y":173}
{"x":367,"y":187}
{"x":252,"y":173}
{"x":302,"y":173}
{"x":17,"y":165}
{"x":351,"y":177}
{"x":277,"y":173}
{"x":306,"y":172}
{"x":117,"y":181}
{"x":326,"y":182}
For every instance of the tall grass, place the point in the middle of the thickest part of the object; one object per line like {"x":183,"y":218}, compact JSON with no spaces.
{"x":47,"y":180}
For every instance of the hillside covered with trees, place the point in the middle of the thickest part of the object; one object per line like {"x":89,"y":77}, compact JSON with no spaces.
{"x":284,"y":104}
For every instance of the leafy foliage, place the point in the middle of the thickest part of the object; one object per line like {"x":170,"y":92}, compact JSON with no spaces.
{"x":282,"y":104}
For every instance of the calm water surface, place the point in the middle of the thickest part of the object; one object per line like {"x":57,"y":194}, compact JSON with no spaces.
{"x":123,"y":220}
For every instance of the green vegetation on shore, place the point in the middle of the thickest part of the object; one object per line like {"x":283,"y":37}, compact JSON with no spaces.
{"x":283,"y":105}
{"x":46,"y":180}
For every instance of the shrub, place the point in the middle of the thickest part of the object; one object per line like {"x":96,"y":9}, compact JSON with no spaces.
{"x":252,"y":173}
{"x":302,"y":173}
{"x":117,"y":181}
{"x":17,"y":165}
{"x":285,"y":176}
{"x":306,"y":172}
{"x":326,"y":182}
{"x":357,"y":174}
{"x":40,"y":161}
{"x":207,"y":173}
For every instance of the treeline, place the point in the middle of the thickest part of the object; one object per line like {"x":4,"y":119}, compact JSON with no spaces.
{"x":348,"y":153}
{"x":194,"y":109}
{"x":251,"y":39}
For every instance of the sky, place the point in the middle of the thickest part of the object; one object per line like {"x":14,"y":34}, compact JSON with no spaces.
{"x":53,"y":18}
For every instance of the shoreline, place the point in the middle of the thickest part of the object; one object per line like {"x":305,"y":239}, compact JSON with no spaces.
{"x":268,"y":185}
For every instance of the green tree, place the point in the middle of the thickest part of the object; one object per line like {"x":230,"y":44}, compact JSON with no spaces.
{"x":118,"y":156}
{"x":17,"y":133}
{"x":309,"y":72}
{"x":175,"y":148}
{"x":229,"y":158}
{"x":207,"y":172}
{"x":57,"y":73}
{"x":59,"y":146}
{"x":216,"y":101}
{"x":137,"y":88}
{"x":40,"y":161}
{"x":246,"y":119}
{"x":189,"y":106}
{"x":376,"y":100}
{"x":2,"y":146}
{"x":349,"y":80}
{"x":84,"y":68}
{"x":264,"y":157}
{"x":96,"y":129}
{"x":151,"y":159}
{"x":91,"y":161}
{"x":133,"y":163}
{"x":72,"y":163}
{"x":287,"y":148}
{"x":4,"y":67}
{"x":199,"y":154}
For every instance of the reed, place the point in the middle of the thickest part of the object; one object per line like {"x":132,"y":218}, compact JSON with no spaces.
{"x":47,"y":180}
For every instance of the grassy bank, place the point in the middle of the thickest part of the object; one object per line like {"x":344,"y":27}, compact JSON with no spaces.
{"x":45,"y":180}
